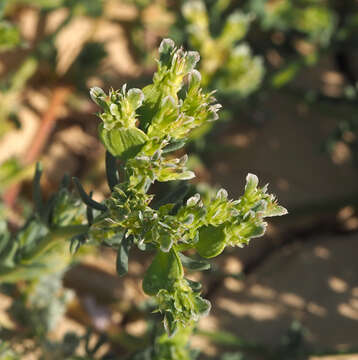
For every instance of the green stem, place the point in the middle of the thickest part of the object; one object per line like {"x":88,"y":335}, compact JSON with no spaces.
{"x":176,"y":345}
{"x":52,"y":238}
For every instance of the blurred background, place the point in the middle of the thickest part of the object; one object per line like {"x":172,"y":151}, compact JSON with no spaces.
{"x":286,"y":74}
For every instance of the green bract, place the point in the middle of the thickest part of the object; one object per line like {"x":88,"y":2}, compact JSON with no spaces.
{"x":142,"y":128}
{"x":118,"y":132}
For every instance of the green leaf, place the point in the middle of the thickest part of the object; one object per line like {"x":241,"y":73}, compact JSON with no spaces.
{"x":99,"y":97}
{"x":274,"y":209}
{"x":87,"y":199}
{"x":251,"y":229}
{"x":122,"y":256}
{"x":193,"y":264}
{"x":122,"y":142}
{"x":89,"y":214}
{"x":75,"y":244}
{"x":192,"y":59}
{"x":8,"y":252}
{"x":9,"y":36}
{"x":195,"y":286}
{"x":211,"y":241}
{"x":166,"y":242}
{"x":36,"y":189}
{"x":252,"y":182}
{"x":111,"y":170}
{"x":135,"y":98}
{"x":173,"y":146}
{"x":284,"y":76}
{"x":4,"y":236}
{"x":170,"y":325}
{"x":166,"y":48}
{"x":203,"y":306}
{"x":165,"y":269}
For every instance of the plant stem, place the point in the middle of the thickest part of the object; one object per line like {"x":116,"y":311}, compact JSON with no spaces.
{"x":53,"y":238}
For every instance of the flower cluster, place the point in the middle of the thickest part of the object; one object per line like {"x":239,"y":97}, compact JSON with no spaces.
{"x":143,"y":128}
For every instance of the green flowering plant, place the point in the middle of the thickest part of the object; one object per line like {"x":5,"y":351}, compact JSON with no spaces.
{"x":143,"y":129}
{"x":314,"y":24}
{"x":227,"y":63}
{"x":314,"y":19}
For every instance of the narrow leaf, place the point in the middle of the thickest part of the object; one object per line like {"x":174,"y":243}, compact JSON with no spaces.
{"x":122,"y":256}
{"x":89,"y":212}
{"x":86,"y":199}
{"x":36,"y":190}
{"x":76,"y":243}
{"x":8,"y":253}
{"x":111,"y":170}
{"x":48,"y":209}
{"x":65,"y":183}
